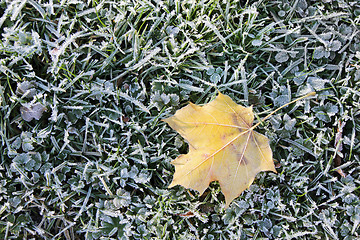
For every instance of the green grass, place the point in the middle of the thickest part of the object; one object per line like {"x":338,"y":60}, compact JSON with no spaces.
{"x":84,"y":85}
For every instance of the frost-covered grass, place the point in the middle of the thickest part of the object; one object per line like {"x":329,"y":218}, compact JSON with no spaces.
{"x":84,"y":85}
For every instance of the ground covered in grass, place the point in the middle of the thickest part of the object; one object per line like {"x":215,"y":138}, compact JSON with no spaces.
{"x":84,"y":85}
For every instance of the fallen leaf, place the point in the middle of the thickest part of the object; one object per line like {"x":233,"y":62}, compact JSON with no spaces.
{"x":341,"y":172}
{"x":339,"y":146}
{"x":222,"y":147}
{"x":26,"y":89}
{"x":32,"y":111}
{"x":187,"y":214}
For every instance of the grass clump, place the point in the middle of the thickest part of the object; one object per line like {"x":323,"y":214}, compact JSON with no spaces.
{"x":85,"y":84}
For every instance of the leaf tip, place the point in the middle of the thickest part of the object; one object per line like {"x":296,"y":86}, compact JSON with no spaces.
{"x":166,"y":119}
{"x":171,"y":185}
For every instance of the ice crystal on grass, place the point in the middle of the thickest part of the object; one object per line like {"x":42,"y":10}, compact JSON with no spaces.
{"x":282,"y":57}
{"x":161,"y":100}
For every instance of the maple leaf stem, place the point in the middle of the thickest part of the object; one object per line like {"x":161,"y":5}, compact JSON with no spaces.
{"x":270,"y":114}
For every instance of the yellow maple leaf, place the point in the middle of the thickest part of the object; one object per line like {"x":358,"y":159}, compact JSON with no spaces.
{"x":222,"y":147}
